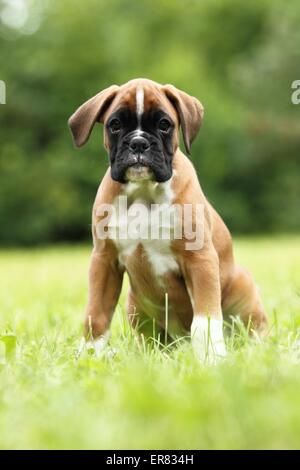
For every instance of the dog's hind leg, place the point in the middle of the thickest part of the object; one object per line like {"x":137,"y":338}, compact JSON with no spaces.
{"x":241,"y":297}
{"x":145,"y":326}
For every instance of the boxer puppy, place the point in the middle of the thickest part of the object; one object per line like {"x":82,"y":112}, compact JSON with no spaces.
{"x":201,"y":281}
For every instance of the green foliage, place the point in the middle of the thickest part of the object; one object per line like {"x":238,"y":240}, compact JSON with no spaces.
{"x":9,"y":340}
{"x":238,"y":59}
{"x":143,"y":397}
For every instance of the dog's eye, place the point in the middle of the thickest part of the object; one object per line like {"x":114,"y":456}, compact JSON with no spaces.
{"x":115,"y":126}
{"x":164,"y":125}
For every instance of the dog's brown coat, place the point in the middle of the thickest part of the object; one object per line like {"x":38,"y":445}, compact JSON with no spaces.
{"x":209,"y":281}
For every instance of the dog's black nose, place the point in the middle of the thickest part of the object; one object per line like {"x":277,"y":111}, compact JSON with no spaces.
{"x":139,"y":145}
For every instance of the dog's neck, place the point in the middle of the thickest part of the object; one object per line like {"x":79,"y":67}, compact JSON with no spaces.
{"x":149,"y":192}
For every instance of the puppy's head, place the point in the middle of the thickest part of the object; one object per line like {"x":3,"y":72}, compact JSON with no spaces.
{"x":141,"y":127}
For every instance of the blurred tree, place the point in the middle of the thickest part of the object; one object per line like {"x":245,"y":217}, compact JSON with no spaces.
{"x":238,"y":59}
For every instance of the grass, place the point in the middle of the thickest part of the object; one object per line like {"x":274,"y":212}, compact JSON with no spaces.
{"x":145,"y":396}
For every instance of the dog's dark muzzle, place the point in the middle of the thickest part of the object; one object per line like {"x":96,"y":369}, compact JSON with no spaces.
{"x":139,"y":145}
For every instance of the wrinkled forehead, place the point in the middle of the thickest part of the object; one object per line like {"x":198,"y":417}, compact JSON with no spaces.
{"x":141,"y":97}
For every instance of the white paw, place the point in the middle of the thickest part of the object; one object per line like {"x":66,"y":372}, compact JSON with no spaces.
{"x":207,"y":339}
{"x":96,"y":346}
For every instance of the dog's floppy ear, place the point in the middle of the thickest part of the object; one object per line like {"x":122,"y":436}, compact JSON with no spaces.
{"x":190,"y":112}
{"x":82,"y":121}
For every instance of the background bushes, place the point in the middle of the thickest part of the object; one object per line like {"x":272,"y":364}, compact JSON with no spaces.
{"x":238,"y":58}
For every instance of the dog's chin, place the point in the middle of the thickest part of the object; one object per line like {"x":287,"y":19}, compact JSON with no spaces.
{"x":138,"y":173}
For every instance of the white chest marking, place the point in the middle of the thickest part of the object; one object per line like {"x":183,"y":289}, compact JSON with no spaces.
{"x":158,"y":250}
{"x":139,"y":104}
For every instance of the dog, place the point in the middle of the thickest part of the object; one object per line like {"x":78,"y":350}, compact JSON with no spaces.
{"x":199,"y":285}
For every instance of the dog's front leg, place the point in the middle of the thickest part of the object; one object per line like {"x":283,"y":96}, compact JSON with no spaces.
{"x":203,"y":283}
{"x":105,"y":283}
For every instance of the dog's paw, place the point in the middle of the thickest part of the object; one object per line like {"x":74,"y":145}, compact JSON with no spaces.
{"x":207,"y":339}
{"x":210,"y":355}
{"x":94,"y":347}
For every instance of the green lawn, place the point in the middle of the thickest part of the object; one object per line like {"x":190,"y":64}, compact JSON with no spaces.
{"x":144,"y":397}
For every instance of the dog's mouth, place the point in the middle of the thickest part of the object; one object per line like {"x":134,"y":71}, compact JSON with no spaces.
{"x":139,"y":172}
